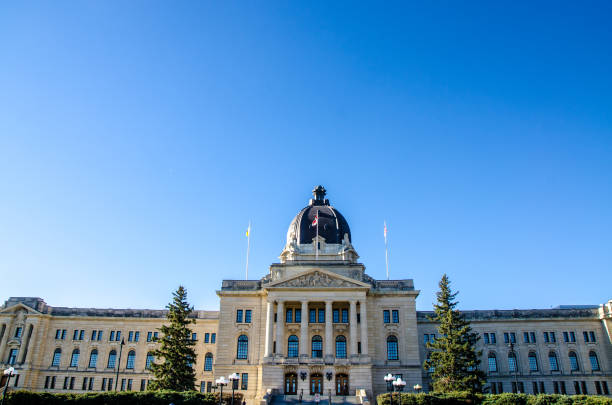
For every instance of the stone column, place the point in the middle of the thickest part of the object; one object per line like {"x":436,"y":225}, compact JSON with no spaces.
{"x":304,"y":330}
{"x":5,"y":338}
{"x":269,"y":329}
{"x":364,"y":327}
{"x":329,"y":332}
{"x":280,"y":328}
{"x":353,"y":328}
{"x":26,"y":338}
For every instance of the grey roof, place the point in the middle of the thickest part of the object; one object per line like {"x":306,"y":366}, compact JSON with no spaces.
{"x":519,"y":314}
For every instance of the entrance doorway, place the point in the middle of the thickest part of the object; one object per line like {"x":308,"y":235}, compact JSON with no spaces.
{"x":342,"y":384}
{"x":316,"y":384}
{"x":290,"y":384}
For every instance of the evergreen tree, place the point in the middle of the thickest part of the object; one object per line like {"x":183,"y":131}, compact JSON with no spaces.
{"x":453,"y":359}
{"x":175,"y":371}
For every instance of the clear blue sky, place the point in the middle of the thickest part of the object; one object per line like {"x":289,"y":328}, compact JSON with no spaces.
{"x":137,"y":139}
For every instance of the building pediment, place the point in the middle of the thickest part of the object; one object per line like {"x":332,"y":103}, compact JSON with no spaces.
{"x":19,"y":309}
{"x":318,"y":278}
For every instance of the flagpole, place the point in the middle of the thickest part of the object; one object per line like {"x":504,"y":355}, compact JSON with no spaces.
{"x":317,"y":240}
{"x":386,"y":250}
{"x":248,"y":249}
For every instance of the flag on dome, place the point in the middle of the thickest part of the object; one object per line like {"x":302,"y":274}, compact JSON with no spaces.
{"x":315,"y":221}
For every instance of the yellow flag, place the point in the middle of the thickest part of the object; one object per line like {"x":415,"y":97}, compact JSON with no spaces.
{"x":248,"y":230}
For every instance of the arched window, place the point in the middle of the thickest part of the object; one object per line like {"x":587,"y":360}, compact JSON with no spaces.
{"x":149,"y":360}
{"x":341,"y":347}
{"x":243,"y":347}
{"x":57,"y":355}
{"x":317,"y":347}
{"x":492,"y":363}
{"x":573,"y":361}
{"x":93,"y":358}
{"x":594,"y":361}
{"x":293,"y":346}
{"x":74,"y":359}
{"x":512,"y":362}
{"x":208,"y":362}
{"x":533,"y":361}
{"x":392,"y":348}
{"x":552,"y":361}
{"x":130,"y":360}
{"x":112,"y":358}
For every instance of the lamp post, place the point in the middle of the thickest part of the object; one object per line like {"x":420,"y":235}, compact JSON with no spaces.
{"x":234,"y":377}
{"x":119,"y":363}
{"x":389,"y":379}
{"x":221,"y":382}
{"x":511,"y":346}
{"x":9,"y":372}
{"x":417,"y":388}
{"x":399,"y":385}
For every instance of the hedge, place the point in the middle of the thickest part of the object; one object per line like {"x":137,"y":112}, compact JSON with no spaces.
{"x":464,"y":398}
{"x":120,"y":398}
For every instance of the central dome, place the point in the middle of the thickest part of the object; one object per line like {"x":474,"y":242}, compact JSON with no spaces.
{"x":332,"y":225}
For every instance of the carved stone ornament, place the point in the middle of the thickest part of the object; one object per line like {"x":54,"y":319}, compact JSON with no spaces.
{"x":316,"y":279}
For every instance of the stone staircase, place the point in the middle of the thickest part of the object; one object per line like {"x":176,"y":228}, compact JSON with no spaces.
{"x":310,"y":400}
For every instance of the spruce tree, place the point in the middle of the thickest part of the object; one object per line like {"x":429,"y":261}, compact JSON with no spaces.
{"x":176,"y":353}
{"x":453,"y":358}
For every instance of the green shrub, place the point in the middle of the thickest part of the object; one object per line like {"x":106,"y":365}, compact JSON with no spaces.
{"x":120,"y":398}
{"x":461,"y":398}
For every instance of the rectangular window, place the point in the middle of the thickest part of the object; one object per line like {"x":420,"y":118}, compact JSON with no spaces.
{"x":103,"y":384}
{"x":572,"y":337}
{"x":395,"y":316}
{"x":66,"y":381}
{"x":592,"y":336}
{"x":58,"y":333}
{"x":94,"y":335}
{"x":532,"y":337}
{"x":239,"y":316}
{"x":432,"y":337}
{"x":545,"y":337}
{"x":584,"y":388}
{"x":289,"y":315}
{"x":209,"y":386}
{"x":493,"y":338}
{"x":194,"y":336}
{"x":64,"y":334}
{"x":553,"y":339}
{"x":358,"y":347}
{"x":563,"y":390}
{"x":143,"y":385}
{"x":91,"y":384}
{"x":604,"y":385}
{"x":110,"y":384}
{"x":358,"y":317}
{"x":386,"y":317}
{"x":213,"y":338}
{"x":298,"y":315}
{"x":129,"y":387}
{"x":345,"y":316}
{"x":535,"y":387}
{"x":52,"y":383}
{"x":123,"y":382}
{"x":585,"y":335}
{"x":247,"y":316}
{"x":336,"y":316}
{"x":500,"y":387}
{"x":426,"y":338}
{"x":525,"y":337}
{"x":47,"y":382}
{"x":556,"y":387}
{"x":149,"y":336}
{"x":202,"y":386}
{"x":244,"y":382}
{"x":565,"y":337}
{"x":312,"y":318}
{"x":513,"y":338}
{"x":506,"y":338}
{"x":206,"y":337}
{"x":485,"y":338}
{"x":321,"y":316}
{"x":18,"y":332}
{"x":492,"y":364}
{"x":577,"y":387}
{"x":542,"y":390}
{"x":112,"y":335}
{"x":597,"y":387}
{"x":75,"y":335}
{"x":72,"y":383}
{"x":130,"y":336}
{"x":155,"y":336}
{"x":136,"y":336}
{"x":12,"y":359}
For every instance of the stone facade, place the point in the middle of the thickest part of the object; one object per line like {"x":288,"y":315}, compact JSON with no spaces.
{"x":316,"y":323}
